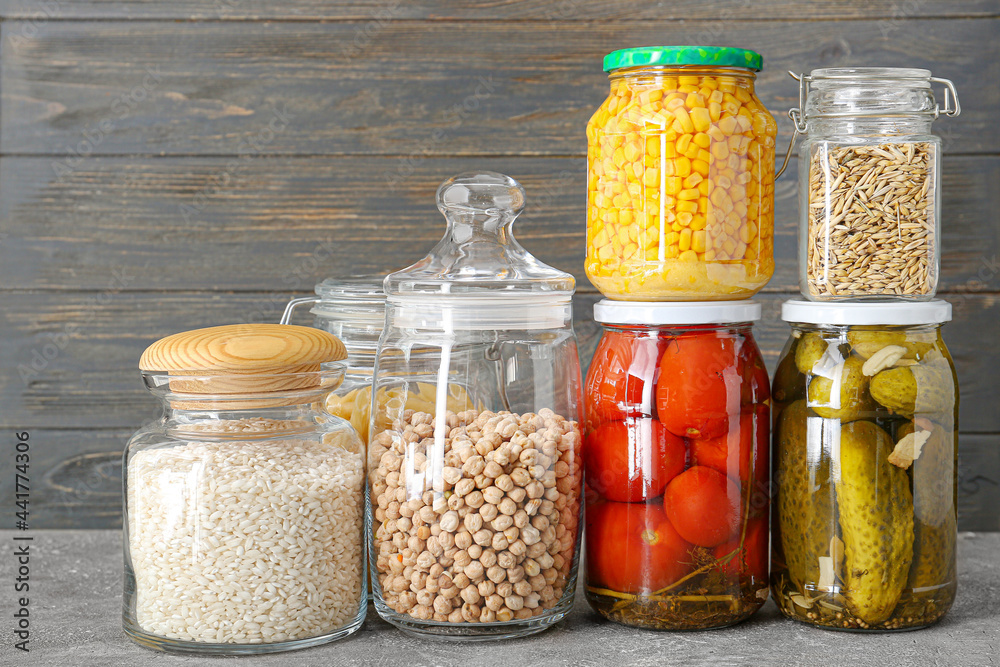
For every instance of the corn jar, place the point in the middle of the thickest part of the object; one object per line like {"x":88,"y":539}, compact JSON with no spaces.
{"x":864,"y":466}
{"x":680,"y":200}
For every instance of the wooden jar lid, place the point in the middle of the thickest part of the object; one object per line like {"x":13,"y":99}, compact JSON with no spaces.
{"x":243,"y":358}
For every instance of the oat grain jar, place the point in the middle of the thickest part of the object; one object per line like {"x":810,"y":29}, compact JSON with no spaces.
{"x":870,"y":183}
{"x":864,"y":454}
{"x":680,"y":195}
{"x":244,"y":502}
{"x":476,"y":511}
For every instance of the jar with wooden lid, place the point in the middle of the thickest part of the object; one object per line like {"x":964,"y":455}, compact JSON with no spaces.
{"x":244,"y":502}
{"x":865,"y":466}
{"x":476,"y":511}
{"x":870,"y":183}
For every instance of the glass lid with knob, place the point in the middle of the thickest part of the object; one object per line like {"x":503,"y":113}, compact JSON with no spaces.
{"x":479,"y":264}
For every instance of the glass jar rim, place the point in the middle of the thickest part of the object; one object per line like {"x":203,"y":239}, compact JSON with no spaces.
{"x":362,"y":289}
{"x":911,"y":75}
{"x":228,"y":389}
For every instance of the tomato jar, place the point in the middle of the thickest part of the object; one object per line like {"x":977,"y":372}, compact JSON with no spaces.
{"x":476,"y":510}
{"x":244,"y":503}
{"x":676,"y":459}
{"x":865,"y":446}
{"x":680,"y":195}
{"x":870,"y":183}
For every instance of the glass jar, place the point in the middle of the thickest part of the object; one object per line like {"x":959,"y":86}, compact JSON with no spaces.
{"x":353,"y":309}
{"x":677,"y":468}
{"x":476,"y":512}
{"x":244,"y":502}
{"x":680,"y":199}
{"x":865,"y":451}
{"x":870,"y":183}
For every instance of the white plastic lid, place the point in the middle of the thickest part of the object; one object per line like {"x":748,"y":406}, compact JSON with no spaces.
{"x":890,"y":313}
{"x":680,"y":313}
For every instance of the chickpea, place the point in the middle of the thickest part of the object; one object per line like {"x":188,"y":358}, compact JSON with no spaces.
{"x":474,"y":570}
{"x":464,"y":539}
{"x":471,"y":612}
{"x":488,"y":558}
{"x":449,"y":522}
{"x":475,"y":499}
{"x":508,"y":506}
{"x":470,"y":594}
{"x":489,"y":512}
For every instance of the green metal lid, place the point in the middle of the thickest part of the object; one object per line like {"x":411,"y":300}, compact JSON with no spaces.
{"x":714,"y":56}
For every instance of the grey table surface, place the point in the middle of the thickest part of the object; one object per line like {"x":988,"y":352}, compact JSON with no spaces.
{"x":75,"y":607}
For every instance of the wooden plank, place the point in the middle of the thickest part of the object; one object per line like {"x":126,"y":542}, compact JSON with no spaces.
{"x":190,"y":224}
{"x":77,"y":479}
{"x":561,"y":10}
{"x":417,"y":87}
{"x":979,"y":481}
{"x":68,"y":360}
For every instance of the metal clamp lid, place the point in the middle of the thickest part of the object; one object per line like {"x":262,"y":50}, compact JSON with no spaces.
{"x":952,"y":107}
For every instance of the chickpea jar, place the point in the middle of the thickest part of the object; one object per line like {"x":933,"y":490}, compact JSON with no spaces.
{"x":864,"y":466}
{"x":680,"y":200}
{"x":476,"y":511}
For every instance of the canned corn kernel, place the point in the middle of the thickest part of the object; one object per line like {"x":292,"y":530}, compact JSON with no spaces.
{"x":680,"y":202}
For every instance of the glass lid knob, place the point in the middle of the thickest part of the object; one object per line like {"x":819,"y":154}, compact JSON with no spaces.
{"x":478,"y":252}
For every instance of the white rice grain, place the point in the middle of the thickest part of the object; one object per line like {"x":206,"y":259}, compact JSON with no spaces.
{"x":246,"y":542}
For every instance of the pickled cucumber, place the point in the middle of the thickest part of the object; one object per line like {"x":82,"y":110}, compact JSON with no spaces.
{"x":851,"y":399}
{"x":867,"y":343}
{"x":876,"y":522}
{"x":933,"y":554}
{"x":925,"y":388}
{"x":810,"y":349}
{"x":789,"y":384}
{"x":807,"y":519}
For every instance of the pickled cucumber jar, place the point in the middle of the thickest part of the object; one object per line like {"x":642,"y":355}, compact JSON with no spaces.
{"x":244,"y":503}
{"x":864,"y":466}
{"x":677,"y":468}
{"x":870,"y":183}
{"x":680,"y":195}
{"x":476,"y":498}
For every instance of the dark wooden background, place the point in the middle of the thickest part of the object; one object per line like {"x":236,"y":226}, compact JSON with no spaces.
{"x":170,"y":165}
